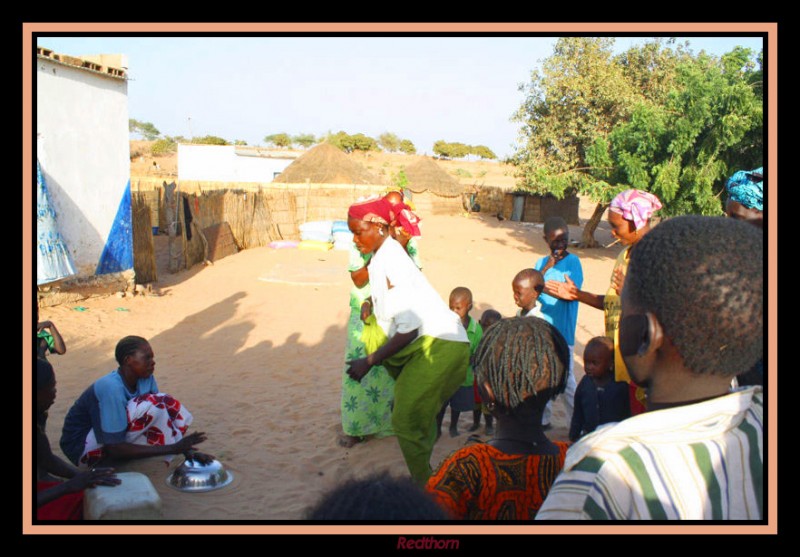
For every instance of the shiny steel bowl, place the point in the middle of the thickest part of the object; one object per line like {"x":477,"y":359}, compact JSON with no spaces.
{"x":193,"y":476}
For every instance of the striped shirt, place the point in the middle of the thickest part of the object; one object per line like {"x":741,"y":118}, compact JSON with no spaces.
{"x":697,"y":462}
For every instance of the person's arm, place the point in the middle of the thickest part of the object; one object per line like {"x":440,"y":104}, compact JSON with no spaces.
{"x":129,"y":451}
{"x":50,"y":463}
{"x":361,"y":366}
{"x":81,"y":481}
{"x":58,"y":343}
{"x":569,"y":291}
{"x":576,"y":425}
{"x":360,"y":277}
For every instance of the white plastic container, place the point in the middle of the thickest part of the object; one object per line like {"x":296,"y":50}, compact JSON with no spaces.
{"x":134,"y":499}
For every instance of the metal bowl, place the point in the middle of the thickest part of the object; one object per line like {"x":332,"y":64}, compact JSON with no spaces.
{"x":193,"y":476}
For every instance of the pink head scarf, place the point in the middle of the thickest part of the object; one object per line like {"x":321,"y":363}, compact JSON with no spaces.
{"x":407,"y":220}
{"x":635,"y":205}
{"x":373,"y":209}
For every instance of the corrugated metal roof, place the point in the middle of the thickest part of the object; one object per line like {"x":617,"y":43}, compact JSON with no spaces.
{"x":81,"y":63}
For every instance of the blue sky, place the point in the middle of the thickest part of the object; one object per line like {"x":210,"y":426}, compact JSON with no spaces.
{"x":424,"y":89}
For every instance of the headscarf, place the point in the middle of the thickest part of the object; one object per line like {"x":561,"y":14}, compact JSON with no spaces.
{"x":747,"y":187}
{"x":407,"y":220}
{"x":635,"y":205}
{"x":373,"y":209}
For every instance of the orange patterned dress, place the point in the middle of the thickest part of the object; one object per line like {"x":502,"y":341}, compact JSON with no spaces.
{"x":480,"y":482}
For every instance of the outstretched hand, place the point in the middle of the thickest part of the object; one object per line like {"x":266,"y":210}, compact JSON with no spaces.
{"x":202,"y":458}
{"x":186,"y":443}
{"x":562,"y":290}
{"x":358,"y":368}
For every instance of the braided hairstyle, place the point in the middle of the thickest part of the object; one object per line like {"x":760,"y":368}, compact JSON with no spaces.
{"x":520,"y":357}
{"x":128,"y":347}
{"x":703,"y":278}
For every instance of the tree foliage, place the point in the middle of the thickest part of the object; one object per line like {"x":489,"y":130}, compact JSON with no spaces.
{"x":305,"y":140}
{"x":407,"y":147}
{"x":163,"y":147}
{"x":451,"y":150}
{"x":656,"y":117}
{"x":145,"y":129}
{"x":281,"y":140}
{"x":389,"y":142}
{"x":209,"y":140}
{"x":483,"y":152}
{"x":349,"y":143}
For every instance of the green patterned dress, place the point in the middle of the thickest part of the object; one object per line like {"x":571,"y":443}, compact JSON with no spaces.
{"x":366,"y":406}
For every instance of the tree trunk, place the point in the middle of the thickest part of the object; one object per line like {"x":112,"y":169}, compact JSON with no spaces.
{"x":587,"y":240}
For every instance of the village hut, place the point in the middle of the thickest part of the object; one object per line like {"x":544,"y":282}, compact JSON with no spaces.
{"x":326,"y":164}
{"x":433,"y":189}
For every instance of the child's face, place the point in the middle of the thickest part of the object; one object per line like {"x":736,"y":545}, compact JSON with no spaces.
{"x":557,"y":240}
{"x":524,"y":293}
{"x":597,"y":361}
{"x":461,"y":305}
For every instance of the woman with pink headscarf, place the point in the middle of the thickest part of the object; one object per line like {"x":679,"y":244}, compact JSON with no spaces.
{"x":629,"y":216}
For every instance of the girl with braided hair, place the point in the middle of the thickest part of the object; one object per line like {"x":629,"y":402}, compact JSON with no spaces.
{"x":520,"y":365}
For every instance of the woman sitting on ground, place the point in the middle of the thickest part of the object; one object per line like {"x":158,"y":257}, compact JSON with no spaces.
{"x":123,"y":416}
{"x":520,"y":365}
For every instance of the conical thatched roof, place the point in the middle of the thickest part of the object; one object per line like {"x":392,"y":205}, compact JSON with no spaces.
{"x":425,"y":174}
{"x":325,"y":164}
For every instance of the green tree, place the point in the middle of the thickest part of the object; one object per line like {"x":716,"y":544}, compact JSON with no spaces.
{"x":163,"y":147}
{"x":281,"y":140}
{"x":389,"y":142}
{"x":349,"y":143}
{"x":305,"y":140}
{"x":239,"y":142}
{"x":144,"y":129}
{"x":453,"y":150}
{"x":209,"y":140}
{"x":482,"y":151}
{"x":407,"y":147}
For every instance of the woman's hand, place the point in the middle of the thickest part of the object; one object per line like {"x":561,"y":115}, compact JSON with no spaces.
{"x":358,"y":368}
{"x":562,"y":290}
{"x":366,"y":310}
{"x":186,"y":443}
{"x":202,"y":458}
{"x":618,"y":280}
{"x":91,"y":478}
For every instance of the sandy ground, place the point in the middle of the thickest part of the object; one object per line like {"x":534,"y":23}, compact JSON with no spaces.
{"x":254,"y":345}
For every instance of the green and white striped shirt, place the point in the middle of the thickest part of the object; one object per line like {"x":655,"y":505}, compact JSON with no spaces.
{"x":698,"y":462}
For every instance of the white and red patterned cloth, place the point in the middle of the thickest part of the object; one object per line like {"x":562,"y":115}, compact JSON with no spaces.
{"x":153,"y":419}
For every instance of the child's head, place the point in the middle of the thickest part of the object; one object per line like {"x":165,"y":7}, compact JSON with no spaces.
{"x":377,"y":497}
{"x":461,"y":301}
{"x":598,"y":358}
{"x":521,"y":358}
{"x":694,"y":300}
{"x":394,"y":197}
{"x":489,"y":318}
{"x":527,"y":285}
{"x":556,"y":234}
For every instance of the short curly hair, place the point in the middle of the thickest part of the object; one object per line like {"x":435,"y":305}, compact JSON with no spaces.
{"x":703,"y":278}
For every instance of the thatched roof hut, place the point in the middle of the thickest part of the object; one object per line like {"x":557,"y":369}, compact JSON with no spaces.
{"x":425,"y":175}
{"x":326,"y":164}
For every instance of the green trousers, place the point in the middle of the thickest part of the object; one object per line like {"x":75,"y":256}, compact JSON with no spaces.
{"x":427,"y":373}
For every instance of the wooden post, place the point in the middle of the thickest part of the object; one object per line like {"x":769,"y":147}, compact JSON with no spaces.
{"x":171,"y":200}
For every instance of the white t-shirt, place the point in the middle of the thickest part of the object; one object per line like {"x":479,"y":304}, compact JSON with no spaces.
{"x":404,"y":300}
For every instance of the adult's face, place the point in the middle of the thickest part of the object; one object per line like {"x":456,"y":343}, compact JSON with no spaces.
{"x":46,"y":396}
{"x":366,"y":235}
{"x":736,"y":210}
{"x":142,"y":362}
{"x":622,"y":229}
{"x":633,"y":336}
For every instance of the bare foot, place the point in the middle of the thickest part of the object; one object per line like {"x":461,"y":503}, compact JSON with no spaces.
{"x":348,"y":441}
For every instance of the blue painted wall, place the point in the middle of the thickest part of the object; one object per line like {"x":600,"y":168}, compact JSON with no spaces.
{"x":117,"y":254}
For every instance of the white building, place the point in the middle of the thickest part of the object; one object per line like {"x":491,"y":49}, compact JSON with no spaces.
{"x":84,"y":153}
{"x":230,"y":163}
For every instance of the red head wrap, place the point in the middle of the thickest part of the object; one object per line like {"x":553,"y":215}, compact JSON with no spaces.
{"x":374,"y":209}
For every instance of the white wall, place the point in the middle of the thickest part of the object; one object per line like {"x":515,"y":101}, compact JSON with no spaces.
{"x":220,"y":163}
{"x":84,"y":151}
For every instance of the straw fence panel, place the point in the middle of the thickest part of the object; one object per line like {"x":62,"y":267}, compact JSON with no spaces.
{"x":144,"y":257}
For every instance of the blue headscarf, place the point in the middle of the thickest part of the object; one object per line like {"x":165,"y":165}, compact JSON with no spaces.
{"x":747,"y":187}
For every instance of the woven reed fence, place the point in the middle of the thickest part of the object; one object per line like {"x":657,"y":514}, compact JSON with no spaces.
{"x":144,"y":257}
